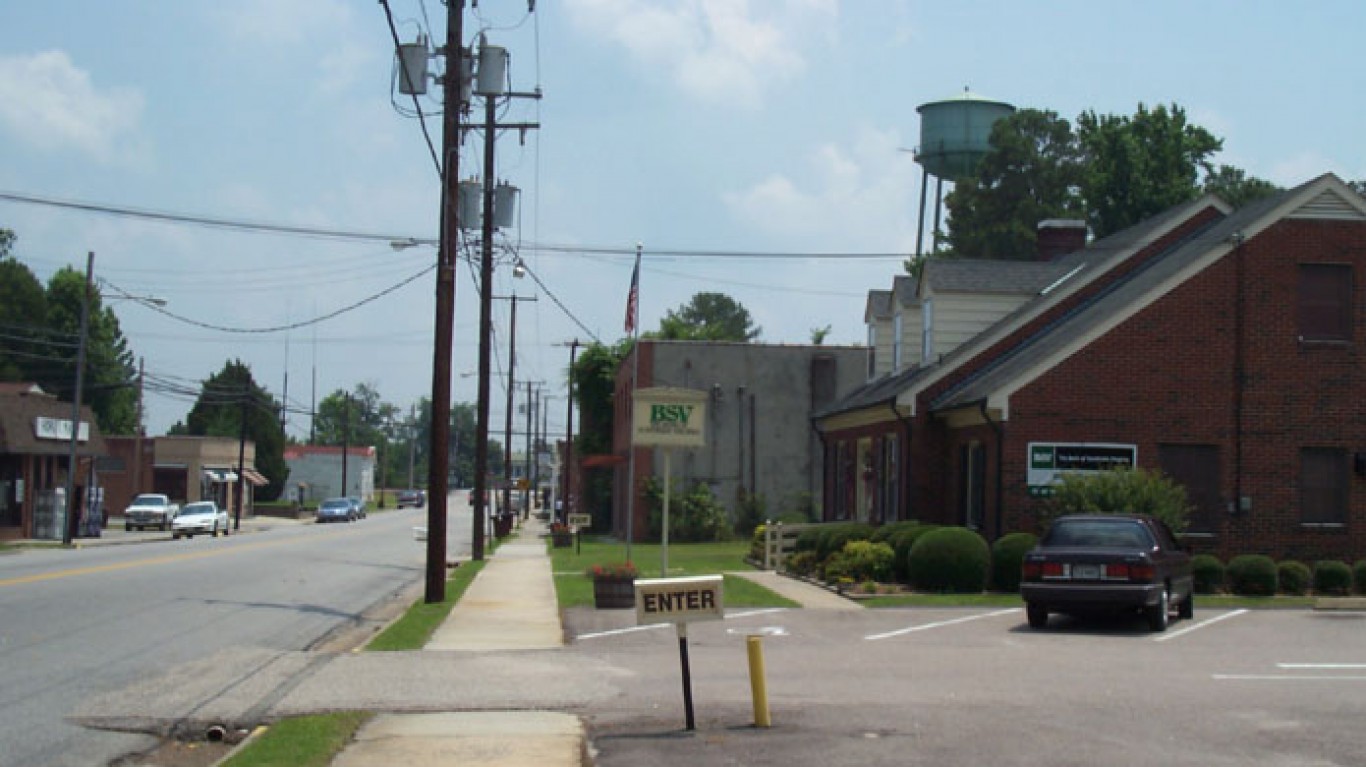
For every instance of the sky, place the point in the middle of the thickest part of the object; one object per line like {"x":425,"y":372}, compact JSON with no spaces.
{"x":761,"y":149}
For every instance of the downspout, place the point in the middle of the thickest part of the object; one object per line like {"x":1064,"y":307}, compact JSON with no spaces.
{"x":1239,"y":377}
{"x":903,"y":486}
{"x":825,"y":469}
{"x":1000,"y":474}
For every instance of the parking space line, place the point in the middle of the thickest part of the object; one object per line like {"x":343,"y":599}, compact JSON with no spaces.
{"x":1283,"y":678}
{"x":939,"y":624}
{"x":1198,"y":626}
{"x":1330,"y":666}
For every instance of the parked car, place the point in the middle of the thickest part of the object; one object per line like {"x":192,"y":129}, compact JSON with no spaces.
{"x":336,"y":510}
{"x":150,"y":510}
{"x":358,"y":506}
{"x":1096,"y":563}
{"x":200,"y":517}
{"x":415,"y":498}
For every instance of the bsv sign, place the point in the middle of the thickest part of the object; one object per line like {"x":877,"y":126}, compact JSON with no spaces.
{"x":670,"y":417}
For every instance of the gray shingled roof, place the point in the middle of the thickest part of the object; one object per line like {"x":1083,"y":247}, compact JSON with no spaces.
{"x":879,"y":305}
{"x":1132,"y":288}
{"x":976,"y":275}
{"x":882,"y":390}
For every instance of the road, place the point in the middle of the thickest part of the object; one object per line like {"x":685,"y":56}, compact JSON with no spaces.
{"x":78,"y":623}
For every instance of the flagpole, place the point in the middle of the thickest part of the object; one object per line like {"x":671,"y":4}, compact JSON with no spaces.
{"x":632,"y":311}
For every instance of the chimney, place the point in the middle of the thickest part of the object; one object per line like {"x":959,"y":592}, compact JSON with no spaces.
{"x":1060,"y":236}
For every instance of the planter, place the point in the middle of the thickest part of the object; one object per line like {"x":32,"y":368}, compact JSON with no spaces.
{"x":614,"y":593}
{"x":562,"y":540}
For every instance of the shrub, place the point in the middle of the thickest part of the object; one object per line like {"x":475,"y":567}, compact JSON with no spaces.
{"x":1208,"y":573}
{"x":1121,"y":491}
{"x":756,"y":543}
{"x":1007,"y":554}
{"x":833,"y":537}
{"x":950,"y":559}
{"x":749,"y":512}
{"x":901,"y":543}
{"x":1332,"y":578}
{"x":694,"y":517}
{"x":884,"y":533}
{"x":1293,"y":577}
{"x":808,"y":539}
{"x":801,"y":563}
{"x":1252,"y":575}
{"x":861,"y":561}
{"x":1359,"y":576}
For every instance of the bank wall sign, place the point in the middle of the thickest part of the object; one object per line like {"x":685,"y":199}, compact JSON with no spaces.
{"x":1049,"y":461}
{"x":669,"y":417}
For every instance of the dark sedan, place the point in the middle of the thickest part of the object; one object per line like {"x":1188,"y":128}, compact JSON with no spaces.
{"x":414,"y":498}
{"x":1099,"y":563}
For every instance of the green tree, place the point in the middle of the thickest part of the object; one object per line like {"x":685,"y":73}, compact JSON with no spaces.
{"x":818,"y":335}
{"x":1136,"y":167}
{"x":1121,"y":491}
{"x":228,"y":397}
{"x":1237,"y":188}
{"x":1032,"y":173}
{"x":23,"y":310}
{"x":109,"y":371}
{"x":708,"y":317}
{"x":594,"y":375}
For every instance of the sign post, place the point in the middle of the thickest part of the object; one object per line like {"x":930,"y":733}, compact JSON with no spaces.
{"x":668,"y":417}
{"x":679,"y":601}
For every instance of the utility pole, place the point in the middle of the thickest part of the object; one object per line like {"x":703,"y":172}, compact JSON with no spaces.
{"x":71,"y":508}
{"x":137,"y":455}
{"x":531,"y":487}
{"x":569,"y":434}
{"x":241,"y":459}
{"x":511,"y":387}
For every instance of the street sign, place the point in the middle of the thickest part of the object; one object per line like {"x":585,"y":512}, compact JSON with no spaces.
{"x":669,"y":417}
{"x":679,"y":600}
{"x":581,"y":521}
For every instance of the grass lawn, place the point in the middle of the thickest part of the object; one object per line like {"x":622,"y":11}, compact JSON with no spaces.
{"x":306,"y":741}
{"x":574,"y":589}
{"x":412,"y":631}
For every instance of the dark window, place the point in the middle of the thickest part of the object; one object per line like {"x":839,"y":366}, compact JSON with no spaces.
{"x":1323,"y":485}
{"x":1196,"y":468}
{"x":973,"y":464}
{"x":1325,"y":302}
{"x":891,"y":477}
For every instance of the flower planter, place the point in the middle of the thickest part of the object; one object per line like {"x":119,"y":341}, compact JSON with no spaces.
{"x":562,"y":540}
{"x":614,"y":593}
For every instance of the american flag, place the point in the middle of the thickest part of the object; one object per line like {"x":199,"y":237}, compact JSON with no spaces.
{"x":633,"y":298}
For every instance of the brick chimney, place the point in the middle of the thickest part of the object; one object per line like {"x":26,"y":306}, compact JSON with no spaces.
{"x":1060,"y":236}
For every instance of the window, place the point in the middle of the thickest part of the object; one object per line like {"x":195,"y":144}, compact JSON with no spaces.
{"x":973,"y":464}
{"x":896,"y":343}
{"x":891,"y":476}
{"x":1196,"y":467}
{"x":1323,"y":486}
{"x":1325,"y":302}
{"x":927,"y":333}
{"x":872,"y":350}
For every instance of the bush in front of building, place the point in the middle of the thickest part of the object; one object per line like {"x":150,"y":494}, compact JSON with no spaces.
{"x":1007,"y":555}
{"x":1208,"y":573}
{"x":801,"y":563}
{"x":901,"y":543}
{"x":832,"y":538}
{"x":1120,"y":491}
{"x":860,"y":561}
{"x":694,"y":517}
{"x":1359,"y":576}
{"x":1252,"y":575}
{"x":1332,"y":578}
{"x":951,"y":559}
{"x":750,"y":510}
{"x":884,"y":533}
{"x":1293,"y":577}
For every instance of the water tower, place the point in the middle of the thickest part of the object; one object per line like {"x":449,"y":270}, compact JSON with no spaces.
{"x":954,"y":136}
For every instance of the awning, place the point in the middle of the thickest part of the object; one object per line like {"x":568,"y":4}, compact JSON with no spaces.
{"x":254,"y":477}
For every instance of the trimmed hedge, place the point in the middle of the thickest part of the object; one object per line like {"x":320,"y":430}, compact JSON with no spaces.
{"x":950,"y":559}
{"x":1208,"y":572}
{"x":832,"y":538}
{"x":1294,"y":577}
{"x":901,"y":543}
{"x":1007,"y":555}
{"x":884,"y":533}
{"x":1359,"y":576}
{"x":1332,"y":578}
{"x":1252,"y":575}
{"x":860,"y":561}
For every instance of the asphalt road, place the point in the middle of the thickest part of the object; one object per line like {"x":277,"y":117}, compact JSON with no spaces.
{"x":78,"y":623}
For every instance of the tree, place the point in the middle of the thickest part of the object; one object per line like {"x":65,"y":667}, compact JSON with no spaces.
{"x":224,"y":400}
{"x":1136,"y":167}
{"x":594,"y":375}
{"x":818,"y":335}
{"x":1032,"y":173}
{"x":1236,"y":187}
{"x":23,"y":302}
{"x":1121,"y":491}
{"x":708,"y":317}
{"x":109,"y":372}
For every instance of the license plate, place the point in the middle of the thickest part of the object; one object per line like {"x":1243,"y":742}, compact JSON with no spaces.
{"x":1089,"y":572}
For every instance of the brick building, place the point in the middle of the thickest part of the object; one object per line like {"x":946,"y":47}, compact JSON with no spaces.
{"x":1217,"y":346}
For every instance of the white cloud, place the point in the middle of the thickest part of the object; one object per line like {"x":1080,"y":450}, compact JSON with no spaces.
{"x":718,"y":51}
{"x":855,"y":197}
{"x":49,"y":102}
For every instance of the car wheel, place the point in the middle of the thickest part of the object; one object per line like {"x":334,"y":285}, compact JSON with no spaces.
{"x":175,"y":536}
{"x":1187,"y":608}
{"x":1159,"y":614}
{"x":1037,"y":614}
{"x":127,"y":527}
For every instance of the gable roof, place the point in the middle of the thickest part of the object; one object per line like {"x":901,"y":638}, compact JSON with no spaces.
{"x":977,"y":275}
{"x":879,"y":305}
{"x":1130,"y":294}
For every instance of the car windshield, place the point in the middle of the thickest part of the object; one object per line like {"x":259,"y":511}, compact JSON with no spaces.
{"x":149,"y":500}
{"x":337,"y":503}
{"x":1099,"y":533}
{"x":197,"y":508}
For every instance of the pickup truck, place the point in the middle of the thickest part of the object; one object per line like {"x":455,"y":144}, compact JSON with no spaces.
{"x":150,"y":510}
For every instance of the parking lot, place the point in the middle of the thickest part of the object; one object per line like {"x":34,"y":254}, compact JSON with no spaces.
{"x":978,"y":686}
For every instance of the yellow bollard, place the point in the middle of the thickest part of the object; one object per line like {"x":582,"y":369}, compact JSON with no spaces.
{"x":757,"y":684}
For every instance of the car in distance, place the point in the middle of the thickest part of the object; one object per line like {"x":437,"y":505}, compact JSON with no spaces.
{"x":357,"y":505}
{"x":415,"y":498}
{"x":200,"y":517}
{"x":150,"y":510}
{"x":1089,"y":563}
{"x":336,"y":510}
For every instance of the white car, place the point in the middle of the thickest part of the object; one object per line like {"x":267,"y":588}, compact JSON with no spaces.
{"x":201,"y":517}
